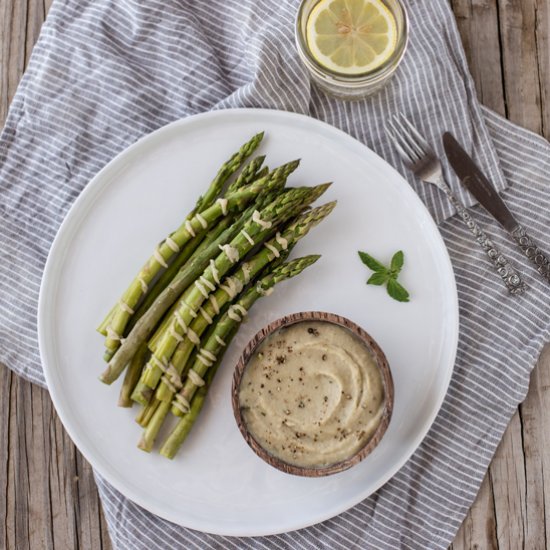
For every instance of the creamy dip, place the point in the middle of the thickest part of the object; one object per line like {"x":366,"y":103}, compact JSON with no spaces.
{"x":312,"y":394}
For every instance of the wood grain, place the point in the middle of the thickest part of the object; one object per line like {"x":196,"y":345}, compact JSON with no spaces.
{"x":49,"y":499}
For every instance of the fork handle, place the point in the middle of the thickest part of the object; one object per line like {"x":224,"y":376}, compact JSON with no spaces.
{"x":504,"y":268}
{"x":532,"y":251}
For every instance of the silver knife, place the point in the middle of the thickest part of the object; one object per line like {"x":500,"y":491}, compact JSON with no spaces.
{"x":483,"y":190}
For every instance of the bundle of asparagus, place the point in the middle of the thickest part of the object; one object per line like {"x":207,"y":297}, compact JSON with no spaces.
{"x":172,"y":325}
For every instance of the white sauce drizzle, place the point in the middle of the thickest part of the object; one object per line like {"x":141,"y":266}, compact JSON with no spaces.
{"x":256,"y":218}
{"x":281,"y":240}
{"x":172,"y":244}
{"x":181,"y":403}
{"x":193,"y":337}
{"x":112,"y":334}
{"x":232,"y":287}
{"x":201,"y":289}
{"x":162,"y":365}
{"x":173,"y":373}
{"x":125,"y":307}
{"x":144,"y":287}
{"x":246,"y":272}
{"x":207,"y":283}
{"x":202,"y":221}
{"x":195,"y":378}
{"x":264,"y":292}
{"x":236,"y":312}
{"x":214,"y":303}
{"x":215,"y":272}
{"x":248,"y":237}
{"x":205,"y":315}
{"x":176,"y":335}
{"x":181,"y":322}
{"x":220,"y":340}
{"x":190,"y":310}
{"x":208,"y":354}
{"x":189,"y":228}
{"x":241,"y":309}
{"x":206,"y":362}
{"x":159,"y":258}
{"x":231,"y":252}
{"x":169,"y":384}
{"x":273,"y":250}
{"x":223,"y":204}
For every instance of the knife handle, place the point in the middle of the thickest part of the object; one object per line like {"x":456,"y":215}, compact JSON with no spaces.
{"x":504,"y":268}
{"x":532,"y":251}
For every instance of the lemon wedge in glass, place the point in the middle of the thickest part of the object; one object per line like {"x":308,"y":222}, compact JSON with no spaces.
{"x":351,"y":36}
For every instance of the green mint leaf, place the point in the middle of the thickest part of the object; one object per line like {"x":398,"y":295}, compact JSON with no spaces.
{"x":371,"y":263}
{"x":396,"y":291}
{"x":397,"y":263}
{"x":377,"y":278}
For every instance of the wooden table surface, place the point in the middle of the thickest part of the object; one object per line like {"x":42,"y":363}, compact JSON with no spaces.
{"x":50,"y":500}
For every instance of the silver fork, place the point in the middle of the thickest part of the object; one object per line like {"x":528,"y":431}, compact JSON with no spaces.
{"x":422,"y":160}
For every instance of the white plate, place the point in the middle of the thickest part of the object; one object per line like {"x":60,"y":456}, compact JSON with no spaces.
{"x":217,"y":484}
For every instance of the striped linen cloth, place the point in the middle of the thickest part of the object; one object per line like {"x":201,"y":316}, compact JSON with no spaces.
{"x":106,"y":72}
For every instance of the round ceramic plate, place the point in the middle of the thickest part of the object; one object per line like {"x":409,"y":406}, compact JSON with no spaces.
{"x":217,"y":484}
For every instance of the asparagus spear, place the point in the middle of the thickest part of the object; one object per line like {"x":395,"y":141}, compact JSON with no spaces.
{"x":261,"y":202}
{"x":291,"y":234}
{"x":174,"y":268}
{"x":166,"y":250}
{"x":245,"y":178}
{"x":203,"y":202}
{"x":215,"y":345}
{"x":183,"y":427}
{"x":147,"y":412}
{"x":142,"y":394}
{"x":148,"y":322}
{"x":132,"y":376}
{"x":254,"y":232}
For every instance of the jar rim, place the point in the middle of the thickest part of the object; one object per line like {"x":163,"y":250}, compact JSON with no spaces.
{"x":356,"y":79}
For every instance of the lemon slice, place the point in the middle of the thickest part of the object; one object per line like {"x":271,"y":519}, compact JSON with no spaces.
{"x":351,"y":36}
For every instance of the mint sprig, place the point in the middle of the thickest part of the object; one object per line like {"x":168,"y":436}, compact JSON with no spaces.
{"x":387,"y":275}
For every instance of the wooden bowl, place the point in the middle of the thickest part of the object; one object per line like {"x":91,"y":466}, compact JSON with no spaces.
{"x":380,"y":360}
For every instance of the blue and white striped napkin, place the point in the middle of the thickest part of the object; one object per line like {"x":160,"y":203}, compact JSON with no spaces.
{"x":106,"y":72}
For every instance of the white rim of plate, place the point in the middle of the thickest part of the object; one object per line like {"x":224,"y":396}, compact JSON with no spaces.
{"x":84,"y":202}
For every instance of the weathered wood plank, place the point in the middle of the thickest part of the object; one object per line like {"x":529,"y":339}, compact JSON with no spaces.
{"x":477,"y":22}
{"x":522,"y":85}
{"x":535,"y":417}
{"x":479,"y":527}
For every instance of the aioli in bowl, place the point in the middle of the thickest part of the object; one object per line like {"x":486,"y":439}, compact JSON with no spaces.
{"x":313,"y":395}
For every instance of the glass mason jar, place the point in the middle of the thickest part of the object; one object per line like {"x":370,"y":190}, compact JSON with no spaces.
{"x":357,"y":86}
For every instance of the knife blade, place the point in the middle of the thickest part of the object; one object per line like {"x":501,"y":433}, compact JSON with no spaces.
{"x":475,"y":181}
{"x":483,"y":190}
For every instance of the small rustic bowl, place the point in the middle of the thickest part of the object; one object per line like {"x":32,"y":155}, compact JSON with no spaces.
{"x":380,"y":360}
